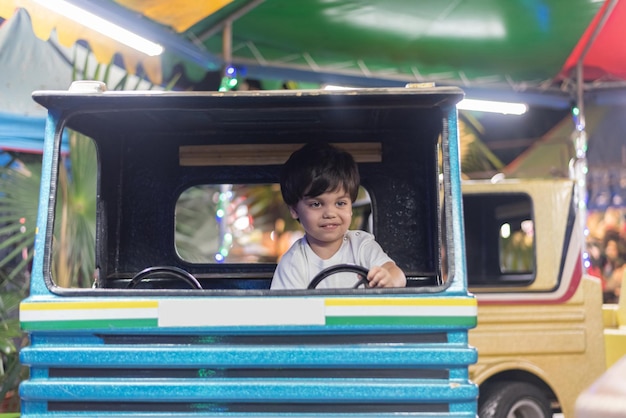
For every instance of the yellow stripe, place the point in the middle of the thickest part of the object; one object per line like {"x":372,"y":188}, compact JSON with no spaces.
{"x":400,"y":302}
{"x":46,"y":306}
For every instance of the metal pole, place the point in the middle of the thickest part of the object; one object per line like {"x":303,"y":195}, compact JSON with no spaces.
{"x":580,"y":167}
{"x":227,"y":43}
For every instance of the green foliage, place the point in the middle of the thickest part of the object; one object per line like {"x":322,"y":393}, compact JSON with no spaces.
{"x":517,"y":253}
{"x":476,"y":158}
{"x":11,"y":339}
{"x":75,"y":229}
{"x":195,"y":221}
{"x":19,"y":188}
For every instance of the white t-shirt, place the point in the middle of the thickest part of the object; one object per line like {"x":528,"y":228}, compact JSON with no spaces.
{"x":300,"y":264}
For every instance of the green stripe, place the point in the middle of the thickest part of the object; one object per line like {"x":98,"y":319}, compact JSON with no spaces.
{"x":89,"y":324}
{"x":463,"y":321}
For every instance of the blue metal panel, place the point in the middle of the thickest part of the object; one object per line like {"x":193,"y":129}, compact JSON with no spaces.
{"x":151,"y":356}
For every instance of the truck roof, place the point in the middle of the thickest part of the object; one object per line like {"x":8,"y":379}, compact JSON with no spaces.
{"x":319,"y":108}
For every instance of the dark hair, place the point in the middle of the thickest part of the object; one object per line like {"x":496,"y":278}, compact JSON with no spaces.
{"x":317,"y":168}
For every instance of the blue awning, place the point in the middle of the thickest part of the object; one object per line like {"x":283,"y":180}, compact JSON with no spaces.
{"x":24,"y":133}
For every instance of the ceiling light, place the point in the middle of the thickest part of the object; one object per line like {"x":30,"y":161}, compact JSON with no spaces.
{"x":102,"y":26}
{"x":506,"y":108}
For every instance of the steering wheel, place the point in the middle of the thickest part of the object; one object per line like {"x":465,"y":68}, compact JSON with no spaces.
{"x":329,"y":271}
{"x":168,"y":271}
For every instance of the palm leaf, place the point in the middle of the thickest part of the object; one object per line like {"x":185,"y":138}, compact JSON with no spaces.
{"x":476,"y":157}
{"x":19,"y":186}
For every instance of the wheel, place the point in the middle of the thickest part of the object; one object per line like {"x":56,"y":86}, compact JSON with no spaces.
{"x":513,"y":400}
{"x":329,"y":271}
{"x":169,"y":271}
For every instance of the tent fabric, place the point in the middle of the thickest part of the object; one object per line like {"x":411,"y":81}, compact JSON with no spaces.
{"x":471,"y":43}
{"x":552,"y":154}
{"x":69,"y":32}
{"x":178,"y":15}
{"x":516,"y":46}
{"x":605,"y":58}
{"x":28,"y":63}
{"x":24,"y":133}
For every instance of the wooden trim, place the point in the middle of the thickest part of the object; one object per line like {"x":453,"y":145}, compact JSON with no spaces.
{"x":265,"y":154}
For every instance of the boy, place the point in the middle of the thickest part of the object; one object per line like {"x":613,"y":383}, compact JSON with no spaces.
{"x":319,"y":183}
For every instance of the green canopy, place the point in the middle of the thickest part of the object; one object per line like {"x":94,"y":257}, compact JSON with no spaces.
{"x":490,"y":48}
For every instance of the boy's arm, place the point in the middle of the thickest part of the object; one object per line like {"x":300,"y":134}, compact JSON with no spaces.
{"x":387,"y":275}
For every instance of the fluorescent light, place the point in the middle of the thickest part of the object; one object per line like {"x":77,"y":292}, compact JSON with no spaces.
{"x":334,"y":87}
{"x":506,"y":108}
{"x":102,"y":26}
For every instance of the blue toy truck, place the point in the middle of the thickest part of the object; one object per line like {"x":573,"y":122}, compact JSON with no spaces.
{"x":171,"y":329}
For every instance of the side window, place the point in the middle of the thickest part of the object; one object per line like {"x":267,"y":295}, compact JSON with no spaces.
{"x":499,"y":238}
{"x":241,"y":223}
{"x":73,"y":246}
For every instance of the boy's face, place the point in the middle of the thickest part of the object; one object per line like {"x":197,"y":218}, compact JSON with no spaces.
{"x":325,"y":218}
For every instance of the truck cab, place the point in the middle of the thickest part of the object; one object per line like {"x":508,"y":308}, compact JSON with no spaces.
{"x":179,"y":317}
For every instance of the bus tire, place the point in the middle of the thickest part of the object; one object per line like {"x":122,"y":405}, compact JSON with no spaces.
{"x":518,"y":399}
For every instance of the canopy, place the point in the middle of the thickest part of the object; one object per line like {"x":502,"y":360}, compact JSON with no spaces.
{"x":28,"y":63}
{"x":488,"y":47}
{"x":21,"y":119}
{"x":601,"y":50}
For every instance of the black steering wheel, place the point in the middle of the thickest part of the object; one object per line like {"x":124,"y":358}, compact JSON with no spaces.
{"x":171,"y":271}
{"x":329,"y":271}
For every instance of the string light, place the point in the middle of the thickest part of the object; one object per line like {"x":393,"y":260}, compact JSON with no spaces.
{"x":229,"y":80}
{"x":225,"y":237}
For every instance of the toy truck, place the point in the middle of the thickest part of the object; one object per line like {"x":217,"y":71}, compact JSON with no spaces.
{"x":543,"y":334}
{"x":181,"y":320}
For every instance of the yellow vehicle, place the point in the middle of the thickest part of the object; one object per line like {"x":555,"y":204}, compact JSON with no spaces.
{"x":543,"y":334}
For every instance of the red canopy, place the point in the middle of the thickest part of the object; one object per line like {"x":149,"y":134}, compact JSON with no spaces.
{"x":605,"y":56}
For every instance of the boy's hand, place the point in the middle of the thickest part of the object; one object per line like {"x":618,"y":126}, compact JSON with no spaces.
{"x":387,"y":275}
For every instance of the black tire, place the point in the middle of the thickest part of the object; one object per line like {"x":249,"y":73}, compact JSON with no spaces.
{"x":513,"y":400}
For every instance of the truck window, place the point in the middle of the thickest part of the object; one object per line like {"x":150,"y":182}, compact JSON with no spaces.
{"x":242,"y":223}
{"x":154,"y":201}
{"x":499,"y":239}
